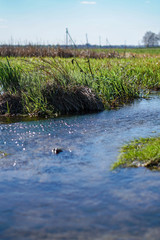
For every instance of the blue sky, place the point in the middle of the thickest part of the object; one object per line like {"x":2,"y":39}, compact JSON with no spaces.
{"x":45,"y":21}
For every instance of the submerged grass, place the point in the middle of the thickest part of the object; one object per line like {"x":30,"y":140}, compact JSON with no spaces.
{"x":3,"y":154}
{"x":144,"y":152}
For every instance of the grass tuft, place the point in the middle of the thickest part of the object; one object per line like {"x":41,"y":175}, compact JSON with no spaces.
{"x":144,"y":152}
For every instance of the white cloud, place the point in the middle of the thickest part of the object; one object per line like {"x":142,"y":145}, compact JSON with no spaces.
{"x":87,"y":2}
{"x":148,"y":2}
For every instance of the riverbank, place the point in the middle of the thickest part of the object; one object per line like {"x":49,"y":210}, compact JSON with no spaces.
{"x":60,"y":86}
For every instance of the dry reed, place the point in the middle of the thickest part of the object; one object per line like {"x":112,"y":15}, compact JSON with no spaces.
{"x":49,"y":51}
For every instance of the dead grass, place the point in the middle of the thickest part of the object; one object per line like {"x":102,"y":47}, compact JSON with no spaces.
{"x":39,"y":51}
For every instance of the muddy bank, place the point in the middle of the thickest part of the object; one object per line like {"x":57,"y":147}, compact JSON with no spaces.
{"x":58,"y":100}
{"x":73,"y":100}
{"x":11,"y":104}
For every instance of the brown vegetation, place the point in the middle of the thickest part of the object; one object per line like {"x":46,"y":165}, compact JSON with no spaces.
{"x":10,"y":104}
{"x":48,"y":51}
{"x":61,"y":101}
{"x":72,"y":100}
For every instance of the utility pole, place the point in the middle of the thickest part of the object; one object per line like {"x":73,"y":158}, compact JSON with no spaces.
{"x":66,"y":37}
{"x":86,"y":39}
{"x":107,"y":42}
{"x":100,"y":41}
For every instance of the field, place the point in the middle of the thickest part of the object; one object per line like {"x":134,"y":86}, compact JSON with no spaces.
{"x":79,"y":81}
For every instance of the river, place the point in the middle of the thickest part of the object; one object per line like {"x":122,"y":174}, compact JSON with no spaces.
{"x":75,"y":195}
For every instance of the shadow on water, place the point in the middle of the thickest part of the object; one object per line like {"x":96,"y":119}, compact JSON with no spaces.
{"x":74,"y":195}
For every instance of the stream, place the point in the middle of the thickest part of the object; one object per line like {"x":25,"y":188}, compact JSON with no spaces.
{"x":74,"y":194}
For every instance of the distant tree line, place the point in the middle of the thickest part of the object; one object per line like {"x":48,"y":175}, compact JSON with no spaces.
{"x":151,"y":39}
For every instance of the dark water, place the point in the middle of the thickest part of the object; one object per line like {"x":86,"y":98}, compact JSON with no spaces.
{"x":74,"y":195}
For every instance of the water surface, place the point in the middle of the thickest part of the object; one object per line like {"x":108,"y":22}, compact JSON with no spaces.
{"x":75,"y":195}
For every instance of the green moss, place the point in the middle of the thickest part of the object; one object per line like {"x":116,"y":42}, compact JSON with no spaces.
{"x":144,"y":152}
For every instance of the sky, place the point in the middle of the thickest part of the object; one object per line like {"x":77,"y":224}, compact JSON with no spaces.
{"x":106,"y":22}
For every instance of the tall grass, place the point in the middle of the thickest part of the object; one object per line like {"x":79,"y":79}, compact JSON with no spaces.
{"x":9,"y":76}
{"x":46,"y":83}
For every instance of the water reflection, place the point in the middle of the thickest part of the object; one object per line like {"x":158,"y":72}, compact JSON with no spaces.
{"x":74,"y":195}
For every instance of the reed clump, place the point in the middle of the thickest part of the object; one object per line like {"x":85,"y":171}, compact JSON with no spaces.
{"x":47,"y":89}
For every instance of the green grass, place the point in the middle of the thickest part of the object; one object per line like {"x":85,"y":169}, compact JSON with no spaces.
{"x":144,"y":152}
{"x":152,"y":51}
{"x":9,"y":76}
{"x":115,"y":81}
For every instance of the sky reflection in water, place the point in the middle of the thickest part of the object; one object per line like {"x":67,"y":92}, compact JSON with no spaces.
{"x":74,"y":195}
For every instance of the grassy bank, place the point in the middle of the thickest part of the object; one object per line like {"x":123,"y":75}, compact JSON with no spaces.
{"x":144,"y":152}
{"x":47,"y":86}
